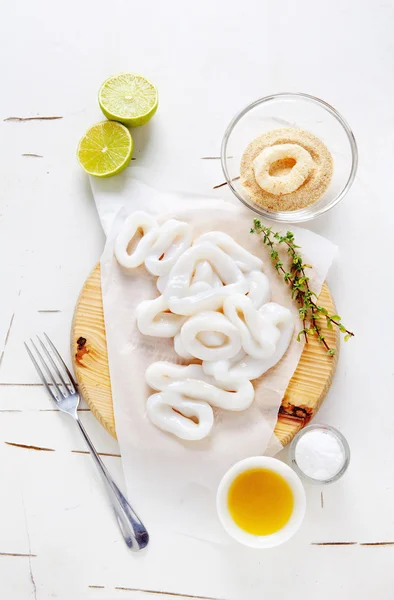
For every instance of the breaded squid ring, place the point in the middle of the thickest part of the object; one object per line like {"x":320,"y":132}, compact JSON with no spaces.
{"x":283,"y":184}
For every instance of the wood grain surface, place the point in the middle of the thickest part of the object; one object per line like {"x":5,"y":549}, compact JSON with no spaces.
{"x":304,"y":395}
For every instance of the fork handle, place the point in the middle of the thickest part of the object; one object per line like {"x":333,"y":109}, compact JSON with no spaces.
{"x":133,"y":530}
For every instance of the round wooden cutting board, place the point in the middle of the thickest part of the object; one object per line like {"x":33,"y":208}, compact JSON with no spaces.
{"x":304,"y":394}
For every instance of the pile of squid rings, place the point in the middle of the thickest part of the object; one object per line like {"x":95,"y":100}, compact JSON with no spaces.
{"x":215,"y":302}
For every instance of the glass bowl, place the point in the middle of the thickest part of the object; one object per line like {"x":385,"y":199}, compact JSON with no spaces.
{"x":292,"y":110}
{"x":319,"y":456}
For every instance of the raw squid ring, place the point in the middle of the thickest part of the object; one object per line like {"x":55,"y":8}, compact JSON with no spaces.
{"x":258,"y":334}
{"x":162,"y":282}
{"x":191,"y":381}
{"x":284,"y":184}
{"x":205,"y":273}
{"x":150,"y":229}
{"x":204,"y":278}
{"x":210,"y":339}
{"x":210,"y":322}
{"x":242,"y":258}
{"x":180,"y":298}
{"x":154,"y":319}
{"x":160,"y":409}
{"x":244,"y":366}
{"x":159,"y":247}
{"x":259,"y":288}
{"x":259,"y":293}
{"x":173,"y":239}
{"x":180,"y":348}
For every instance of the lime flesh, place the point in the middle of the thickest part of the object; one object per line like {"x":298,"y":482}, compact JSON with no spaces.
{"x":128,"y":98}
{"x":105,"y":149}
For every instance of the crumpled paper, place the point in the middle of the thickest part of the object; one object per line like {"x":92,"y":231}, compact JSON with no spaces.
{"x":170,"y":482}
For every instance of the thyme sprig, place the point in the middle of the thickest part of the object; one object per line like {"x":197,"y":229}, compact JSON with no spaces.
{"x":310,"y":312}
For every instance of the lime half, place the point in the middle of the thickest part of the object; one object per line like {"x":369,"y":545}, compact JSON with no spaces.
{"x":105,"y":149}
{"x":128,"y":98}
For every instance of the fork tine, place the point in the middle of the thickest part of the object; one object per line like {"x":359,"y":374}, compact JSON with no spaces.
{"x":40,"y":373}
{"x":54,"y":365}
{"x":48,"y":371}
{"x":61,"y":361}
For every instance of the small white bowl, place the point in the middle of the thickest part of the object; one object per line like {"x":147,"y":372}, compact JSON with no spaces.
{"x":297,"y":516}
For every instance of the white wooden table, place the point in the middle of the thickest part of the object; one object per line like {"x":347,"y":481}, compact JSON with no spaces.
{"x":58,"y":538}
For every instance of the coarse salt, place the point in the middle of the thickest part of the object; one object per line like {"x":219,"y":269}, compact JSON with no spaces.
{"x":319,"y":454}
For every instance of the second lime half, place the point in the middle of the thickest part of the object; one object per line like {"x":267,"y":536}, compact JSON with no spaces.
{"x":128,"y":98}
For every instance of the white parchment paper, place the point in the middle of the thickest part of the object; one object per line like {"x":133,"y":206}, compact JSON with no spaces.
{"x":172,"y":483}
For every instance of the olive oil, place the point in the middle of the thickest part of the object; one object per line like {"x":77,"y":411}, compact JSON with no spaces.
{"x":260,"y":501}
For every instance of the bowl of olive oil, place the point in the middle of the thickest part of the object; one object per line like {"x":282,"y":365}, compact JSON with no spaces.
{"x":261,"y":502}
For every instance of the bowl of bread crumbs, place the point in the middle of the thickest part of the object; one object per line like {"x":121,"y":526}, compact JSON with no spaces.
{"x":289,"y":157}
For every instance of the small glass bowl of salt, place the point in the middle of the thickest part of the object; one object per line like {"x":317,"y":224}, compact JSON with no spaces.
{"x":320,"y":454}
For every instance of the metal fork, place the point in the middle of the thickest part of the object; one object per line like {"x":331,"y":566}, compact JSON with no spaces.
{"x":62,"y":388}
